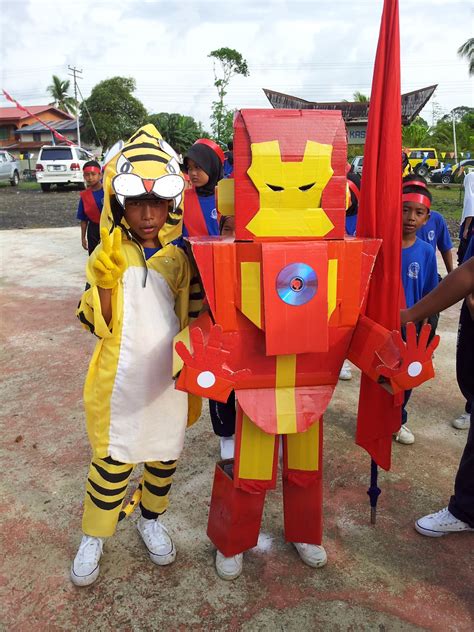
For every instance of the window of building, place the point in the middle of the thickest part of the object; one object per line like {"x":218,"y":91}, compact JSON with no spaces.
{"x":37,"y":136}
{"x":4,"y":133}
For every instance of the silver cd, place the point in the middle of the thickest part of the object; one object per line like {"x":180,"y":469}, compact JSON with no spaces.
{"x":296,"y":283}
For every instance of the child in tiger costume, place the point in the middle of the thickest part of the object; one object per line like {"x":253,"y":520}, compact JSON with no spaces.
{"x":138,"y":301}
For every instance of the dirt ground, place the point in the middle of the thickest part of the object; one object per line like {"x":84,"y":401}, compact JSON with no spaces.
{"x":31,"y":208}
{"x":382,"y":578}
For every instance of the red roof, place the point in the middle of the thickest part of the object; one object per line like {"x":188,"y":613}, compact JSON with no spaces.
{"x":16,"y":113}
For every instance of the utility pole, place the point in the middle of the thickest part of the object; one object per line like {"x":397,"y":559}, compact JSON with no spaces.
{"x":455,"y":143}
{"x":75,"y":72}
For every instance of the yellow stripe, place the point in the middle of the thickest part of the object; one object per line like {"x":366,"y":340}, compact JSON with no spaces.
{"x":256,"y":452}
{"x":285,"y":394}
{"x":332,"y":285}
{"x":251,"y":291}
{"x":182,"y":336}
{"x":303,"y":449}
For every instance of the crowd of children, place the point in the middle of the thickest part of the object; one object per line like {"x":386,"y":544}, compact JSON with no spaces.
{"x":142,"y":291}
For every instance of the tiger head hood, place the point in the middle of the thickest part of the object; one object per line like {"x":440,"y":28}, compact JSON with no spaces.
{"x":144,"y":165}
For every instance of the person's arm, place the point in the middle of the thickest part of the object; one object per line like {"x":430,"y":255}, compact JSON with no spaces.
{"x":84,"y":234}
{"x":467,"y":224}
{"x":452,"y":289}
{"x":448,"y":260}
{"x":105,"y":296}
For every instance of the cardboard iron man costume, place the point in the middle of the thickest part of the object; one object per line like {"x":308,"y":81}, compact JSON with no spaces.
{"x":288,"y":298}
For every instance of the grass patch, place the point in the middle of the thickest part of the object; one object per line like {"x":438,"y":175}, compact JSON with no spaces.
{"x":22,"y":186}
{"x":449,"y":202}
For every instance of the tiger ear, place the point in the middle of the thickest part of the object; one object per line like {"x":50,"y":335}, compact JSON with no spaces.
{"x":113,"y":151}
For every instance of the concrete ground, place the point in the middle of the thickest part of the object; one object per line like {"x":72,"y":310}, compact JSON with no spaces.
{"x":385,"y":577}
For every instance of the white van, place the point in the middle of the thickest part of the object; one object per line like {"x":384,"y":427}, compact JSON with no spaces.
{"x":61,"y":165}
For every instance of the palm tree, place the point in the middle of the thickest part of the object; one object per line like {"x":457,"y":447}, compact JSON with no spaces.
{"x":467,"y":51}
{"x":62,"y":100}
{"x":360,"y":98}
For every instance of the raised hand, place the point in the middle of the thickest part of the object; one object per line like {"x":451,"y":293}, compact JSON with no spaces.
{"x":416,"y":364}
{"x":109,"y":265}
{"x":205,"y":372}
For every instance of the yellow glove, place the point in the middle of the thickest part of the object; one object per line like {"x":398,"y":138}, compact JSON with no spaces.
{"x":109,"y":264}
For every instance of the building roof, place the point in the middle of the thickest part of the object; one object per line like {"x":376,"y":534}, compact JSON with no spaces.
{"x":14,"y":114}
{"x":59,"y":126}
{"x":353,"y":112}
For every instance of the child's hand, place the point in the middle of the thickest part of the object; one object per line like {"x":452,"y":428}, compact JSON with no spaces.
{"x":205,"y":372}
{"x":415,"y":365}
{"x":109,"y":265}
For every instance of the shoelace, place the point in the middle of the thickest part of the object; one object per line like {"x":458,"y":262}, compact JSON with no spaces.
{"x":157,"y":531}
{"x":88,"y":548}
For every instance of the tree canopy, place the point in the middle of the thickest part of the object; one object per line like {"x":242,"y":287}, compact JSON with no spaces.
{"x":115,"y":111}
{"x":227,"y":62}
{"x":419,"y":133}
{"x":178,"y":130}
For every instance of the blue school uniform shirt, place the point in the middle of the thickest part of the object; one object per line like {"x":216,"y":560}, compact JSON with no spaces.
{"x":435,"y":232}
{"x":351,"y":224}
{"x":99,"y":200}
{"x":209,"y":212}
{"x":419,"y":272}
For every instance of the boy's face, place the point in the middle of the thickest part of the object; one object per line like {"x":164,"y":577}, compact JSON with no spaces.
{"x":197,"y":176}
{"x":145,"y":218}
{"x":415,"y":215}
{"x":92,"y":179}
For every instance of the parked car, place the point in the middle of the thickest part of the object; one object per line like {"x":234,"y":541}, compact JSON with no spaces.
{"x":9,"y":168}
{"x":452,"y":174}
{"x":422,"y":160}
{"x":357,"y":165}
{"x":61,"y":165}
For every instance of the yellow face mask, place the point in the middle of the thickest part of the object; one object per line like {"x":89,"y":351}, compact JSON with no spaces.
{"x":145,"y":164}
{"x":290,"y":191}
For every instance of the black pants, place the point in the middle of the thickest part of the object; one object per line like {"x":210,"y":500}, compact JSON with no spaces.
{"x":223,"y":416}
{"x":93,"y":236}
{"x":461,"y":504}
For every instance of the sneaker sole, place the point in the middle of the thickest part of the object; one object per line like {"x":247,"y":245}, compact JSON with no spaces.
{"x":162,"y":560}
{"x":87,"y":580}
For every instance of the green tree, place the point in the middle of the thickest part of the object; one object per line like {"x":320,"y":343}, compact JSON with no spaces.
{"x":415,"y":134}
{"x":62,"y":100}
{"x":441,"y":135}
{"x":178,"y":130}
{"x":467,"y":51}
{"x":227,"y":62}
{"x":115,"y":111}
{"x":358,"y":97}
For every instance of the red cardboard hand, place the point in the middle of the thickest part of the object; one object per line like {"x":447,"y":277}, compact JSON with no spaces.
{"x":415,"y":365}
{"x":205,"y":373}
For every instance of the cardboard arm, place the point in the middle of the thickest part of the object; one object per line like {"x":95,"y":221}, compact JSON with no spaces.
{"x":368,"y":339}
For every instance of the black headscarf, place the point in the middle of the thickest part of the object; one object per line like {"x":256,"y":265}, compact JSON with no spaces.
{"x":209,"y":162}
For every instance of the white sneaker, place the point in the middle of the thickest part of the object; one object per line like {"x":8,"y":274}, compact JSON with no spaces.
{"x":157,"y":541}
{"x":441,"y":523}
{"x":311,"y":554}
{"x":346,"y":371}
{"x":462,"y":422}
{"x":227,"y":447}
{"x":404,"y":436}
{"x":85,"y":568}
{"x":229,"y":567}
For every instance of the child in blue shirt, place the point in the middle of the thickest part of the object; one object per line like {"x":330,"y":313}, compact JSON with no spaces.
{"x":435,"y":232}
{"x":90,"y":205}
{"x":419,"y":272}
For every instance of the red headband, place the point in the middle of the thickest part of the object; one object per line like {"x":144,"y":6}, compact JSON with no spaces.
{"x":214,"y":146}
{"x":414,"y":183}
{"x":419,"y":198}
{"x":354,"y":188}
{"x":91,"y":169}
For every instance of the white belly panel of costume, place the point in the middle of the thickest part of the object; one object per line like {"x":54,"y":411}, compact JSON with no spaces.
{"x":147,"y":415}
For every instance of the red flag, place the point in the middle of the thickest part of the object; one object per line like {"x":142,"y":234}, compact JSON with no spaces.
{"x":380,"y":215}
{"x":51,"y":129}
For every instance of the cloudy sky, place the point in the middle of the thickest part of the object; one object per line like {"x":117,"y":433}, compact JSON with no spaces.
{"x":317,"y":49}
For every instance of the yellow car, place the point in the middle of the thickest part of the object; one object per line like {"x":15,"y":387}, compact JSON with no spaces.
{"x":422,"y":160}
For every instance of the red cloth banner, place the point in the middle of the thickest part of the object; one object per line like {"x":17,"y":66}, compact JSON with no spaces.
{"x":380,"y":215}
{"x":51,"y":129}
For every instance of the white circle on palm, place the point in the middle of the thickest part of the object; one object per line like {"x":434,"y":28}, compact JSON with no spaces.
{"x":414,"y":369}
{"x":206,"y":379}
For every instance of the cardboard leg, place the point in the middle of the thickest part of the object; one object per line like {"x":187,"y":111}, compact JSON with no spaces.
{"x":234,"y":515}
{"x":303,"y":512}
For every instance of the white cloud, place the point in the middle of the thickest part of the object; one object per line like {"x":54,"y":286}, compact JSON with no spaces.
{"x":318,"y":49}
